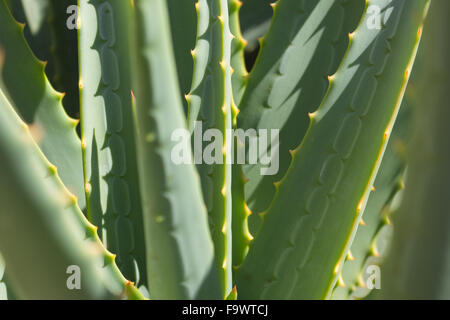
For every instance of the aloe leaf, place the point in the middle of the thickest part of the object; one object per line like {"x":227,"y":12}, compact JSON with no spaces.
{"x":241,"y":236}
{"x":41,"y":105}
{"x":107,"y":130}
{"x":48,"y":34}
{"x":183,"y":22}
{"x":34,"y":15}
{"x":377,"y":215}
{"x":42,"y":230}
{"x":333,"y":170}
{"x":210,"y":107}
{"x":418,"y":264}
{"x":180,"y":253}
{"x":240,"y":213}
{"x":239,"y":75}
{"x":304,"y":45}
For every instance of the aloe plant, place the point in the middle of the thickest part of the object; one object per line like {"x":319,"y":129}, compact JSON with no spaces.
{"x":113,"y":203}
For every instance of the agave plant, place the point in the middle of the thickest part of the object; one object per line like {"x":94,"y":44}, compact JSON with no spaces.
{"x":112,"y":208}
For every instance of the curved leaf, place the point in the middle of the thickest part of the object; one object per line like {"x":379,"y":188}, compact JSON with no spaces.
{"x":42,"y":231}
{"x":304,"y":45}
{"x":23,"y":81}
{"x":333,"y":170}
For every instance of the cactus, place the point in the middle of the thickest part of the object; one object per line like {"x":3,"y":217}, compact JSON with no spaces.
{"x":135,"y":204}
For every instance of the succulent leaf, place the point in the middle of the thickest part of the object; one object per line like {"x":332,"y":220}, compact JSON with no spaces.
{"x":107,"y":129}
{"x":240,"y":227}
{"x":180,"y":252}
{"x":41,"y":105}
{"x":166,"y":186}
{"x":333,"y":169}
{"x":377,"y":214}
{"x":209,"y":103}
{"x":283,"y":88}
{"x":34,"y":16}
{"x":42,"y":230}
{"x":239,"y":74}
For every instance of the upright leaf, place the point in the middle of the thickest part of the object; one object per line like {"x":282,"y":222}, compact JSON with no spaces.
{"x":180,"y":253}
{"x":210,"y":119}
{"x":107,"y":127}
{"x":303,"y":243}
{"x":239,"y":74}
{"x":304,"y":45}
{"x":375,"y":225}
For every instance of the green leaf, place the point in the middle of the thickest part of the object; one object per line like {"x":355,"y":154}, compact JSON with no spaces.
{"x":107,"y":127}
{"x":42,"y":230}
{"x":34,"y":15}
{"x":180,"y":253}
{"x":305,"y":43}
{"x":210,"y":107}
{"x":240,"y":228}
{"x":303,"y":243}
{"x":24,"y":82}
{"x":239,"y":76}
{"x":376,"y":219}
